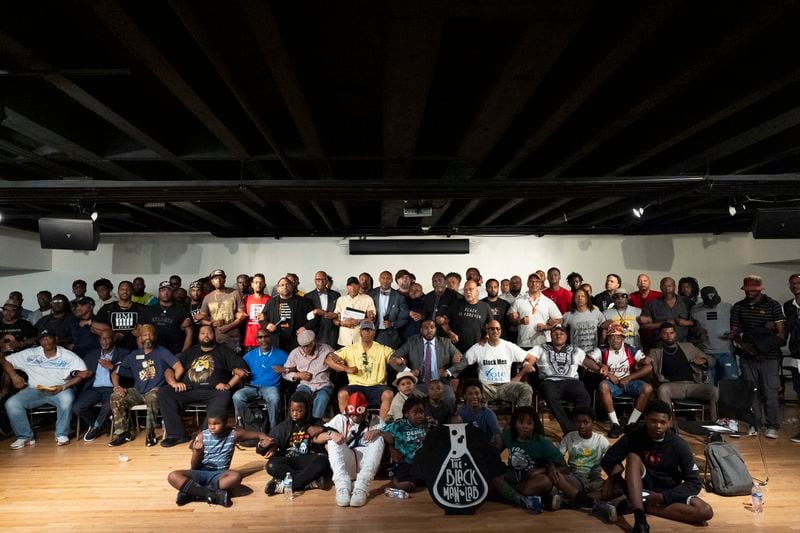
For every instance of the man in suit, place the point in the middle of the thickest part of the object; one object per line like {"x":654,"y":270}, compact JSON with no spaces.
{"x":324,"y":301}
{"x":391,"y":310}
{"x":441,"y":354}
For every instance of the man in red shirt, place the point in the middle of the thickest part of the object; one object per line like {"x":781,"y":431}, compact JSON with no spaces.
{"x":560,"y":295}
{"x":644,"y":294}
{"x":253,"y":307}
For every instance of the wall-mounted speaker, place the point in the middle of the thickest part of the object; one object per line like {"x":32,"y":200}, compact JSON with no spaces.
{"x":409,"y":246}
{"x":777,"y":223}
{"x":68,"y":233}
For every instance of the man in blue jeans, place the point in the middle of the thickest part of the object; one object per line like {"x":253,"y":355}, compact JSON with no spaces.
{"x":52,"y":373}
{"x":308,"y":366}
{"x":266,"y":366}
{"x":623,"y":367}
{"x":712,"y":319}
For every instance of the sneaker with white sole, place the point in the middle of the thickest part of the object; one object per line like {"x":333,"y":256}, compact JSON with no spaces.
{"x":343,"y":497}
{"x":796,"y":438}
{"x":752,"y":432}
{"x":359,"y":498}
{"x":771,"y":433}
{"x":21,"y":442}
{"x":62,"y":440}
{"x":605,"y":511}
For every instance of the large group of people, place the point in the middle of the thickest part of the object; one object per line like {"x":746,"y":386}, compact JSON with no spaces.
{"x":376,"y":367}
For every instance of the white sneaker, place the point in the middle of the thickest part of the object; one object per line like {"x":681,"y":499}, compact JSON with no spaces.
{"x":20,"y":443}
{"x":62,"y":440}
{"x":750,"y":433}
{"x":359,"y":498}
{"x":771,"y":433}
{"x":342,"y":497}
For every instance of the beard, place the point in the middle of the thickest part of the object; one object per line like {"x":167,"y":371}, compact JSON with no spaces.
{"x":207,"y":344}
{"x":147,"y":344}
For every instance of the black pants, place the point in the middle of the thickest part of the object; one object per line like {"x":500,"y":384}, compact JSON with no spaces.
{"x":554,"y":390}
{"x":83,"y":406}
{"x":170,"y":403}
{"x":304,"y":468}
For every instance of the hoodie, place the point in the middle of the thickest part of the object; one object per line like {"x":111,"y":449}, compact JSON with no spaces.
{"x":669,"y":463}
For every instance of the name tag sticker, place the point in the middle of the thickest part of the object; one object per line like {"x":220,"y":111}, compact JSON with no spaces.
{"x":140,"y":357}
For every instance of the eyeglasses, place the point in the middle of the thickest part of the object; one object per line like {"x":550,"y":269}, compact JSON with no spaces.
{"x":620,"y":296}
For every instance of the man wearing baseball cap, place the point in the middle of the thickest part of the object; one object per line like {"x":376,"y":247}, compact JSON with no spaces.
{"x":172,"y":321}
{"x":712,"y":318}
{"x":624,"y":369}
{"x":52,"y":373}
{"x":223,"y":309}
{"x":83,"y":340}
{"x":758,"y":328}
{"x":307,"y":365}
{"x":16,"y":333}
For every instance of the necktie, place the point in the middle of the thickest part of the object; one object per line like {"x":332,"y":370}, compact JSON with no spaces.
{"x":427,"y":363}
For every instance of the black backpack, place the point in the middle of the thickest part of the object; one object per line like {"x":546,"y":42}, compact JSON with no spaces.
{"x":253,"y":419}
{"x":725,"y":472}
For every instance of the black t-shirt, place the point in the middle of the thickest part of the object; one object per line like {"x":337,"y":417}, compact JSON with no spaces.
{"x":467,"y":321}
{"x":121,"y":321}
{"x":675,"y":367}
{"x":500,"y":309}
{"x":167,"y":321}
{"x":439,"y":305}
{"x":21,"y":329}
{"x":62,"y":327}
{"x":204,"y":370}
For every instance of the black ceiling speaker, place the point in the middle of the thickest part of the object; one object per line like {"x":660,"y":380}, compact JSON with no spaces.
{"x":409,"y":246}
{"x":777,"y":223}
{"x":69,"y":233}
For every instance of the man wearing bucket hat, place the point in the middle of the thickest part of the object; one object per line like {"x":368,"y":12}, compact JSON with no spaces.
{"x":758,"y":328}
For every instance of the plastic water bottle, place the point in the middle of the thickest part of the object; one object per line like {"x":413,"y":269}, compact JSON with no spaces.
{"x":287,"y":487}
{"x":396,"y":493}
{"x":757,"y":498}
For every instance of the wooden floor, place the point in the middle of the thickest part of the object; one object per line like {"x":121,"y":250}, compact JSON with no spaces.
{"x":84,"y":487}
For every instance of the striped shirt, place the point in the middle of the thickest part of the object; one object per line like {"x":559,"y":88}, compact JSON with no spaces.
{"x":747,"y":316}
{"x":217,"y":452}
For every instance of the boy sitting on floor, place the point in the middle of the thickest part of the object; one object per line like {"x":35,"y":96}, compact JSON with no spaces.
{"x":210,"y":478}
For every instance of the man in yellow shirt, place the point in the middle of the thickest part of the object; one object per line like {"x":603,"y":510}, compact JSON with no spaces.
{"x":365,"y":363}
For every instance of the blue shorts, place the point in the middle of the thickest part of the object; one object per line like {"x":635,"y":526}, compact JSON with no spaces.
{"x":206,"y":478}
{"x":372,"y":393}
{"x":632,"y":388}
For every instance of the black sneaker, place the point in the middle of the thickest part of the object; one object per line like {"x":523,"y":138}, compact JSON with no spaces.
{"x":182,"y":498}
{"x":640,"y":527}
{"x":605,"y":511}
{"x":633,"y":426}
{"x":615,"y":431}
{"x":122,"y":438}
{"x":169,"y":442}
{"x":219,"y":497}
{"x":274,"y":486}
{"x":92,"y":433}
{"x":150,"y":440}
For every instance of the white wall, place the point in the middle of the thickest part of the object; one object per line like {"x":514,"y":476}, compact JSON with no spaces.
{"x":720,"y":260}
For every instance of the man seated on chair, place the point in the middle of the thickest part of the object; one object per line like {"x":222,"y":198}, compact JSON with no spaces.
{"x":148,"y":366}
{"x":98,"y":388}
{"x":624,"y":368}
{"x":494,"y":359}
{"x":678,"y":370}
{"x":265,"y":364}
{"x":209,"y":378}
{"x":52,"y":373}
{"x":307,"y":365}
{"x":659,"y":462}
{"x":558,"y":364}
{"x":365,"y":363}
{"x":432,"y":358}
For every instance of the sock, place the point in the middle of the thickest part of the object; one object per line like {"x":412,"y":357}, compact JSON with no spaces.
{"x":613,"y":417}
{"x":194,"y":490}
{"x":635,"y":414}
{"x":583,"y":500}
{"x":638,"y":516}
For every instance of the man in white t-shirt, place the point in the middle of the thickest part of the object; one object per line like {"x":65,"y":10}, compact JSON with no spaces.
{"x":558,"y":364}
{"x":52,"y":372}
{"x":494,"y":359}
{"x":623,"y":367}
{"x":534,"y":313}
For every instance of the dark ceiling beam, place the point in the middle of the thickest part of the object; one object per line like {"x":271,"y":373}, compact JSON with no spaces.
{"x":737,"y":38}
{"x":466,"y":210}
{"x":153,"y":214}
{"x":39,"y":133}
{"x":252,"y":213}
{"x":548,"y":205}
{"x":438,"y":213}
{"x":583,"y":210}
{"x":627,"y":46}
{"x":265,"y":29}
{"x":697,"y":127}
{"x":412,"y":51}
{"x":739,"y":142}
{"x":763,"y":162}
{"x":508,"y":205}
{"x":29,"y":61}
{"x":391,"y":211}
{"x":26,"y":156}
{"x":198,"y":27}
{"x":655,"y":206}
{"x":204,"y":214}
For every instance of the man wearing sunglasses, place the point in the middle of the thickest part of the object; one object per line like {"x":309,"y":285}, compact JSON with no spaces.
{"x":365,"y":363}
{"x":59,"y":321}
{"x":625,"y":315}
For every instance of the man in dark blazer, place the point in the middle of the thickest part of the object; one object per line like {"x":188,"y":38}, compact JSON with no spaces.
{"x":444,"y":356}
{"x":324,"y":301}
{"x":97,"y":388}
{"x":391,"y":311}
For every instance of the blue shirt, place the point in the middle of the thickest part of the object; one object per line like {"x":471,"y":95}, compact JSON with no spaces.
{"x":218,"y":452}
{"x":261,"y":366}
{"x":148,"y":369}
{"x":483,"y":419}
